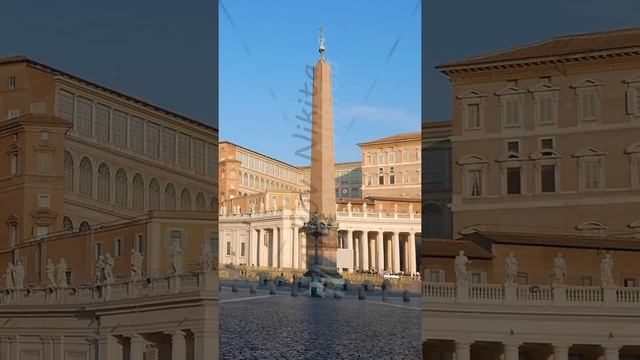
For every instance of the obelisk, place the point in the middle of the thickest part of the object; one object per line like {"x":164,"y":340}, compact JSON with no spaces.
{"x":323,"y":182}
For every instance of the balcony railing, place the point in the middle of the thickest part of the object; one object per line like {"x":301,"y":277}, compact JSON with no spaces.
{"x":544,"y":295}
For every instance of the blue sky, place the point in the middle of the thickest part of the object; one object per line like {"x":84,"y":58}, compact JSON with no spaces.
{"x":456,"y":29}
{"x":157,"y":50}
{"x":266,"y":45}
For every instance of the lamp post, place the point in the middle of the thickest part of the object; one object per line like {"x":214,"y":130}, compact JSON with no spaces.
{"x":317,"y":226}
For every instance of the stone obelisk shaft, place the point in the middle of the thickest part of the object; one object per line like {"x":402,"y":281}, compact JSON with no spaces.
{"x":323,"y":197}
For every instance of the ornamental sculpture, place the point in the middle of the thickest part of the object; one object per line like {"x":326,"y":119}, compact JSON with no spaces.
{"x":136,"y":265}
{"x":18,"y":275}
{"x":61,"y":274}
{"x":462,"y":276}
{"x":176,"y":258}
{"x":108,"y":268}
{"x":205,"y":256}
{"x":511,"y":270}
{"x":606,"y":271}
{"x":51,"y":274}
{"x":559,"y":270}
{"x":8,"y":276}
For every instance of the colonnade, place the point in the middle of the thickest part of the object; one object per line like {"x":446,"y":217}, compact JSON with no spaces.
{"x":390,"y":251}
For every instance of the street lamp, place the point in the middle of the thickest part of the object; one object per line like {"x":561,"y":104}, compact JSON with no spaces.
{"x":319,"y":225}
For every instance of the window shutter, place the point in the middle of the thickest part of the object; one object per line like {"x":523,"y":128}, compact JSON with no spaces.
{"x":631,"y":101}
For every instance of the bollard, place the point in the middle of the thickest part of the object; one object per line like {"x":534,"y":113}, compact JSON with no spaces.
{"x":361,"y":293}
{"x":347,"y":285}
{"x":367,"y":285}
{"x":252,"y":288}
{"x":272,"y":288}
{"x":384,"y":294}
{"x":234,"y":287}
{"x":294,"y":289}
{"x":405,"y":296}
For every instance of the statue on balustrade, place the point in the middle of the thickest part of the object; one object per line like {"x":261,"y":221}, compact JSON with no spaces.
{"x":559,"y":270}
{"x":51,"y":274}
{"x":379,"y":207}
{"x":136,"y":265}
{"x":61,"y":271}
{"x":252,"y":207}
{"x":8,"y":276}
{"x":349,"y":206}
{"x":606,"y":271}
{"x":176,"y":258}
{"x":364,"y":207}
{"x":410,"y":208}
{"x":100,"y":269}
{"x":395,"y":208}
{"x":108,"y":268}
{"x":205,"y":256}
{"x":262,"y":205}
{"x":273,"y":203}
{"x":511,"y":270}
{"x":462,"y":275}
{"x":18,"y":275}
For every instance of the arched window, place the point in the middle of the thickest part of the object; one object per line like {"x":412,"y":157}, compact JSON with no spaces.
{"x":104,"y":183}
{"x":245,"y":178}
{"x":86,"y":177}
{"x":252,"y":182}
{"x":67,"y":224}
{"x":169,"y":197}
{"x":122,"y":188}
{"x":154,"y":195}
{"x":185,"y":200}
{"x":138,"y":192}
{"x":201,"y":204}
{"x":68,"y":171}
{"x":84,"y":226}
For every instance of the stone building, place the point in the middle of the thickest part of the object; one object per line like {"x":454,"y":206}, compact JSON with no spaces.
{"x":436,"y":179}
{"x":93,"y":176}
{"x":544,"y":202}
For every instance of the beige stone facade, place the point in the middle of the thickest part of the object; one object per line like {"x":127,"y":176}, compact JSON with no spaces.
{"x":93,"y":176}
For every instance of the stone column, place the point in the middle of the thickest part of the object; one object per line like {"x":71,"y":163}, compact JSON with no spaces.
{"x":136,"y":347}
{"x":412,"y":253}
{"x":178,"y":345}
{"x":511,"y":351}
{"x":57,"y":347}
{"x":356,"y":252}
{"x":249,"y":246}
{"x":4,"y":348}
{"x":395,"y":240}
{"x":463,"y":350}
{"x":280,"y":247}
{"x":364,"y":250}
{"x":560,"y":351}
{"x":349,"y":246}
{"x":205,"y":343}
{"x":109,"y":348}
{"x":380,"y":251}
{"x":611,"y":352}
{"x":296,"y":249}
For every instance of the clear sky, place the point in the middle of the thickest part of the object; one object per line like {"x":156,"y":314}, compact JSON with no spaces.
{"x":373,"y":46}
{"x":159,"y":50}
{"x":457,"y":29}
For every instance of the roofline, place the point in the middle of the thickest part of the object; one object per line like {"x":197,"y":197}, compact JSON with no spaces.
{"x":255,"y":152}
{"x":44,"y":67}
{"x":480,"y":65}
{"x":379,"y":141}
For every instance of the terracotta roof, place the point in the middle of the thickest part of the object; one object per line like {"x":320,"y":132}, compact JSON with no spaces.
{"x":557,"y":240}
{"x":20,"y":58}
{"x":394,"y":138}
{"x":561,"y":46}
{"x":450,"y":248}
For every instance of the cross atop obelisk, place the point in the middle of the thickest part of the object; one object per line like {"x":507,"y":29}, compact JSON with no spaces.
{"x":323,"y":181}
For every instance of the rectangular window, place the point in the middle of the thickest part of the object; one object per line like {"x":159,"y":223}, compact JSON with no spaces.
{"x":198,"y":157}
{"x":13,"y":159}
{"x":176,"y":237}
{"x":545,"y":110}
{"x":586,"y":280}
{"x":513,"y":180}
{"x":184,"y":151}
{"x":13,"y":233}
{"x":369,"y":180}
{"x":42,"y":231}
{"x":228,"y":247}
{"x":153,"y":140}
{"x":44,"y":200}
{"x":117,"y":247}
{"x":546,"y":144}
{"x":405,"y":155}
{"x":12,"y":83}
{"x":392,"y":176}
{"x":511,"y":113}
{"x":242,"y":249}
{"x":119,"y":129}
{"x":380,"y":176}
{"x":473,"y":116}
{"x":548,"y":178}
{"x":589,"y":105}
{"x":380,"y":158}
{"x":102,"y":123}
{"x":368,"y":159}
{"x":591,"y":175}
{"x":169,"y":146}
{"x":13,"y":113}
{"x":475,"y":182}
{"x":138,"y":243}
{"x":476,"y":277}
{"x":392,"y":157}
{"x":435,"y":275}
{"x":136,"y":142}
{"x":65,"y":105}
{"x":211,"y":160}
{"x":83,"y":116}
{"x":97,"y":249}
{"x":513,"y":146}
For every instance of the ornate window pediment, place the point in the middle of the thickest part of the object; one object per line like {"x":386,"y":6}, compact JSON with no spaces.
{"x":12,"y":219}
{"x":590,"y":151}
{"x":635,"y":225}
{"x":592,"y":228}
{"x":510,"y":90}
{"x":544,"y":86}
{"x":545,"y":154}
{"x":633,"y":149}
{"x":472,"y":160}
{"x":633,"y":79}
{"x":13,"y":149}
{"x":511,"y":156}
{"x":470,"y":230}
{"x":585,"y":83}
{"x":471,"y":94}
{"x":43,"y":216}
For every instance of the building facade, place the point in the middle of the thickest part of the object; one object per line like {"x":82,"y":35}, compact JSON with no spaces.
{"x":543,"y":264}
{"x":99,"y":182}
{"x":436,"y":179}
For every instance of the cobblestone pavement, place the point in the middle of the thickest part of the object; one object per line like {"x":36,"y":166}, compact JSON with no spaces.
{"x":286,"y":327}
